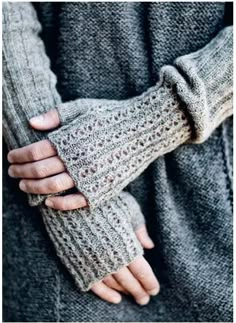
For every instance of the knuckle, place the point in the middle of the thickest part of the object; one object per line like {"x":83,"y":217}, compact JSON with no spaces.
{"x":33,"y":153}
{"x":42,"y":171}
{"x":123,"y":282}
{"x":55,"y":184}
{"x":107,"y":280}
{"x":52,"y":186}
{"x":141,"y":275}
{"x":35,"y":172}
{"x":63,"y":204}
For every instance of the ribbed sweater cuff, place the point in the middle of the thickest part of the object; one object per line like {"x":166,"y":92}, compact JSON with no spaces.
{"x":94,"y":245}
{"x":203,"y":81}
{"x":104,"y":152}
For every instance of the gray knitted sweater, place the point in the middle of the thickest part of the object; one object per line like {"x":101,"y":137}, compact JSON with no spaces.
{"x":90,"y":245}
{"x":167,"y":89}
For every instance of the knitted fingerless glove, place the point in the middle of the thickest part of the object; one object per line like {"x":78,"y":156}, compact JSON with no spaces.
{"x":95,"y":244}
{"x":105,"y":150}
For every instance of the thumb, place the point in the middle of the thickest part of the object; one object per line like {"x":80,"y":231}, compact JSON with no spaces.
{"x":143,"y":237}
{"x":46,"y":121}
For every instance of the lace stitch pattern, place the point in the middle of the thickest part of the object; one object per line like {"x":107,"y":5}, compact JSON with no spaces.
{"x":103,"y":151}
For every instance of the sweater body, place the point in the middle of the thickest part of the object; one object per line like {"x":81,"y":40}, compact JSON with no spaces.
{"x":115,"y":51}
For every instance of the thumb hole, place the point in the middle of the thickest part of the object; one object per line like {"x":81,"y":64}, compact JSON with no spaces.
{"x":143,"y":237}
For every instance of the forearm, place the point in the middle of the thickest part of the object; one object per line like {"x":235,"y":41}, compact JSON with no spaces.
{"x":105,"y":150}
{"x":29,"y":85}
{"x":94,"y":244}
{"x":29,"y":90}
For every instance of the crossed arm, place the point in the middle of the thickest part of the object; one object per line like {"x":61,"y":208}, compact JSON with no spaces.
{"x":191,"y":99}
{"x":92,"y":245}
{"x":108,"y":147}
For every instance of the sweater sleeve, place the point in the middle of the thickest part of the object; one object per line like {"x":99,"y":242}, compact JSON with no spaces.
{"x":29,"y":86}
{"x":91,"y":245}
{"x":107,"y":149}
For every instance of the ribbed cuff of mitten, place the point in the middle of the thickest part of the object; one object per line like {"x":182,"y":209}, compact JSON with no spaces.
{"x":104,"y":152}
{"x":94,"y":245}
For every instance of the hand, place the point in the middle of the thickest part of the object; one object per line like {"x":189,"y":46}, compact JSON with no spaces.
{"x":136,"y":279}
{"x":41,"y":170}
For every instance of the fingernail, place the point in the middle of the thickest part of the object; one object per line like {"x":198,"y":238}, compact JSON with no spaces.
{"x":150,"y":242}
{"x":154,"y":291}
{"x":9,"y":158}
{"x":22,"y":186}
{"x":49,"y":203}
{"x":117,"y":300}
{"x":10,"y":172}
{"x":38,"y":119}
{"x":144,"y":300}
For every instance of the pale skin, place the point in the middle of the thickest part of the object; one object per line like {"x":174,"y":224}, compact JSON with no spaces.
{"x":42,"y":172}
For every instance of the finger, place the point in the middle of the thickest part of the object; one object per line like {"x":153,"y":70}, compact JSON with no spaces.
{"x":112,"y":283}
{"x":37,"y":151}
{"x":46,"y":121}
{"x":106,"y":293}
{"x":126,"y":279}
{"x":38,"y":169}
{"x":68,"y":202}
{"x":142,"y":271}
{"x":48,"y":185}
{"x":144,"y":238}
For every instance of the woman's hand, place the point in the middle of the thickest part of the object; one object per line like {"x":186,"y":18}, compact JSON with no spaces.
{"x":137,"y":279}
{"x":41,"y":170}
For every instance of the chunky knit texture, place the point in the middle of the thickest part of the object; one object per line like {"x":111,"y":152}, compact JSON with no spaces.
{"x":116,"y":51}
{"x":90,"y":244}
{"x":108,"y":148}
